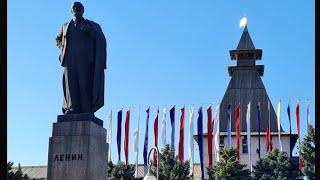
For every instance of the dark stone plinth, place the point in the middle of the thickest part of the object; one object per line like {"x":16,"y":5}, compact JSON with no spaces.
{"x":80,"y":117}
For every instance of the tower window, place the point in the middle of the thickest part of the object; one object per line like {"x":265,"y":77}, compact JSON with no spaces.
{"x":244,"y":145}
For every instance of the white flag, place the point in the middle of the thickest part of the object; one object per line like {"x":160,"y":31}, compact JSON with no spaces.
{"x":279,"y":123}
{"x":249,"y":136}
{"x":191,"y":139}
{"x":109,"y":135}
{"x":163,"y":128}
{"x":136,"y":146}
{"x":216,"y":130}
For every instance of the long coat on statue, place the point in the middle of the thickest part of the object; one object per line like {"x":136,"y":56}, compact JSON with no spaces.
{"x":83,"y":56}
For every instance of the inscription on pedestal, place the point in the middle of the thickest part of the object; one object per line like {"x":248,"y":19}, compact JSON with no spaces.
{"x":68,"y":157}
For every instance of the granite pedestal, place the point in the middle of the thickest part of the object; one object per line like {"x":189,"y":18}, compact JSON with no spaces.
{"x":78,"y":148}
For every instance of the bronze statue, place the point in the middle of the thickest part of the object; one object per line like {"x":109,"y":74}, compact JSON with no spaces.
{"x":83,"y":56}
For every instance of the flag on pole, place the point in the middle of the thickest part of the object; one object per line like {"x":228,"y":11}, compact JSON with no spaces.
{"x":268,"y":138}
{"x":269,"y":134}
{"x":209,"y":126}
{"x":136,"y":146}
{"x":163,"y":128}
{"x":145,"y":146}
{"x":109,"y":140}
{"x":258,"y":124}
{"x":216,"y":127}
{"x":191,"y":139}
{"x":279,"y":124}
{"x":200,"y":140}
{"x":126,"y":135}
{"x":181,"y":137}
{"x":155,"y":131}
{"x":298,"y":132}
{"x":289,"y":117}
{"x":249,"y":136}
{"x":119,"y":134}
{"x":172,"y":126}
{"x":237,"y":124}
{"x":229,"y":125}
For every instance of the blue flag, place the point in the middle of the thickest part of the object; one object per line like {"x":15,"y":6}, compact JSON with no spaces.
{"x":119,"y":134}
{"x":172,"y":126}
{"x":289,"y":116}
{"x":200,"y":140}
{"x":229,"y":125}
{"x":259,"y":123}
{"x":145,"y":146}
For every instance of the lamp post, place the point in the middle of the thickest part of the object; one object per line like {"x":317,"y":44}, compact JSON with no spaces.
{"x":149,"y":176}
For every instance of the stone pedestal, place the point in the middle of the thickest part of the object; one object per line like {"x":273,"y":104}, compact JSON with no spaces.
{"x":78,"y":148}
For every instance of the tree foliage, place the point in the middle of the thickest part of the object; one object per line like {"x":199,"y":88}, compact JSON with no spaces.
{"x":121,"y":171}
{"x":307,"y":153}
{"x":228,"y":168}
{"x":170,"y":167}
{"x":274,"y":165}
{"x":17,"y":175}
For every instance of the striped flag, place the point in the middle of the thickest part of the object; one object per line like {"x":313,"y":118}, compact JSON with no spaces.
{"x":229,"y":125}
{"x":119,"y":134}
{"x":145,"y":146}
{"x":155,"y":131}
{"x":249,"y":136}
{"x":279,"y":124}
{"x":126,"y":136}
{"x":216,"y":127}
{"x":191,"y":139}
{"x":172,"y":126}
{"x":200,"y":140}
{"x":136,"y":146}
{"x":163,"y":128}
{"x":109,"y":140}
{"x":209,"y":128}
{"x":237,"y":125}
{"x":181,"y":137}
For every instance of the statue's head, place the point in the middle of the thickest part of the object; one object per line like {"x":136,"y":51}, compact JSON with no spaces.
{"x":77,"y":9}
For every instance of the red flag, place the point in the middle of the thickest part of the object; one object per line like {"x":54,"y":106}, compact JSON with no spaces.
{"x":155,"y":130}
{"x":181,"y":137}
{"x":298,"y":119}
{"x":268,"y":138}
{"x":238,"y":131}
{"x":209,"y":125}
{"x":126,"y":137}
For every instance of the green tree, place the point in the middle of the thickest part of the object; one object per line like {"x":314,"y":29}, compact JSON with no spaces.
{"x":274,"y":165}
{"x":307,"y":153}
{"x":228,"y":168}
{"x":110,"y":168}
{"x":17,"y":175}
{"x":170,"y":167}
{"x":122,"y":172}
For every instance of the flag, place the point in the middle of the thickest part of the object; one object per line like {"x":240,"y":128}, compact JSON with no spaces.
{"x":145,"y":146}
{"x":155,"y":131}
{"x":136,"y":146}
{"x":181,"y":137}
{"x":229,"y":125}
{"x":298,"y":119}
{"x":126,"y":136}
{"x":119,"y":134}
{"x":258,"y":124}
{"x":191,"y":139}
{"x":237,"y":124}
{"x":216,"y":127}
{"x":268,"y":138}
{"x":200,"y":140}
{"x":109,"y":139}
{"x":289,"y":117}
{"x":249,"y":136}
{"x":172,"y":126}
{"x":209,"y":126}
{"x":269,"y":134}
{"x":163,"y":128}
{"x":279,"y":124}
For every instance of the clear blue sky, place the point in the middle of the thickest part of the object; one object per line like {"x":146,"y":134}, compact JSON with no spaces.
{"x":159,"y":53}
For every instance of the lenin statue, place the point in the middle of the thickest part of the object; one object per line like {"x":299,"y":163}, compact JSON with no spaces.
{"x":83,"y":57}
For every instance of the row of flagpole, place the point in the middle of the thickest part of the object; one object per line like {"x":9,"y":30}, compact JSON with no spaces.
{"x":212,"y":128}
